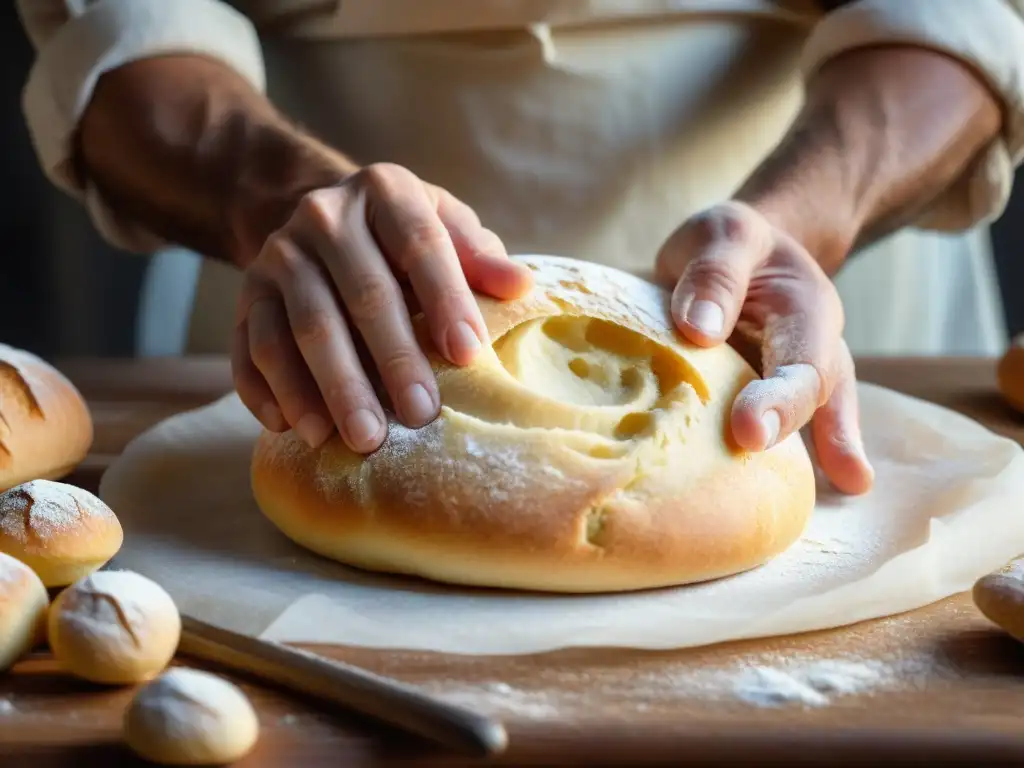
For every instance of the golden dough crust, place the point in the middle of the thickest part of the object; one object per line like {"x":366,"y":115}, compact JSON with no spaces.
{"x":60,"y":531}
{"x":587,"y":451}
{"x":45,"y":425}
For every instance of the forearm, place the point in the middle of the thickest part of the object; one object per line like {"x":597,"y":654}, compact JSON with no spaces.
{"x":190,"y":150}
{"x":884,"y":131}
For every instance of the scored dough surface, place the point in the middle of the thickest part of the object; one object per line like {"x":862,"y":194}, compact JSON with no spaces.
{"x":587,"y":451}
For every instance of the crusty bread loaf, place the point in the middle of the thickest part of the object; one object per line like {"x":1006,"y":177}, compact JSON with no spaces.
{"x":62,"y":532}
{"x":589,"y":450}
{"x":23,"y":604}
{"x":191,"y":717}
{"x":45,"y":426}
{"x":1010,"y":374}
{"x":114,"y":627}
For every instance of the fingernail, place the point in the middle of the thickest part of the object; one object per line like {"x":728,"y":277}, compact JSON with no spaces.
{"x":417,"y":405}
{"x":772,"y":424}
{"x":362,"y":426}
{"x":312,"y":429}
{"x":706,"y":316}
{"x":271,"y":416}
{"x":462,"y":341}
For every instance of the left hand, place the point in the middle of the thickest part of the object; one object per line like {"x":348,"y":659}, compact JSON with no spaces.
{"x":733,"y":270}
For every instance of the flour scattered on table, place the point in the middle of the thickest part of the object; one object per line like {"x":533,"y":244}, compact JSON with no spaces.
{"x":812,"y":686}
{"x":796,"y":681}
{"x":760,"y":680}
{"x":7,"y":706}
{"x":497,"y":696}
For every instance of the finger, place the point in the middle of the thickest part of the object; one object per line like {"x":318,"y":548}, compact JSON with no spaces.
{"x":275,"y":355}
{"x":801,"y":334}
{"x":250,"y":385}
{"x":835,"y":430}
{"x":481,"y":252}
{"x":417,"y":245}
{"x":715,"y":254}
{"x":768,"y":410}
{"x":372,"y":296}
{"x":326,"y":346}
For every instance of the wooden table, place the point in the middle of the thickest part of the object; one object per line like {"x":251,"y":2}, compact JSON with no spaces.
{"x":946,"y":686}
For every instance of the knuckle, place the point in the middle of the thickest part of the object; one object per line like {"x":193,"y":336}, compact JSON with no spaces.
{"x":727,"y":223}
{"x":421,"y":241}
{"x":712,"y":274}
{"x":453,"y":301}
{"x":318,"y":209}
{"x":351,"y":393}
{"x":403,"y":364}
{"x":381,"y":176}
{"x":313,"y":327}
{"x":282,"y":258}
{"x":265,"y":349}
{"x":372,"y":297}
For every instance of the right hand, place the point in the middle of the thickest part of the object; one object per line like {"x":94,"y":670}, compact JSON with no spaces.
{"x":333,"y":275}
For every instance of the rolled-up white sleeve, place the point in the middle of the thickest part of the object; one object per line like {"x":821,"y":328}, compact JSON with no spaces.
{"x":988,"y":36}
{"x":76,"y":41}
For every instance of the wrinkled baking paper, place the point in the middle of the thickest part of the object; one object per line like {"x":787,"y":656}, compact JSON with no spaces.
{"x":944,"y":511}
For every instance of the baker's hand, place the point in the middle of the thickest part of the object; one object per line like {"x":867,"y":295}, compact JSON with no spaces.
{"x":332,"y":279}
{"x":734,"y":271}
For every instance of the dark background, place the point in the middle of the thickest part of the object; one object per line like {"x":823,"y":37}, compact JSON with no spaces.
{"x":65,"y":292}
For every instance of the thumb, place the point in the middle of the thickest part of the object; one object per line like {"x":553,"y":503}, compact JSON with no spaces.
{"x":714,"y":254}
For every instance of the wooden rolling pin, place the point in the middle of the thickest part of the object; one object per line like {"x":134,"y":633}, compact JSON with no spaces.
{"x":386,"y":700}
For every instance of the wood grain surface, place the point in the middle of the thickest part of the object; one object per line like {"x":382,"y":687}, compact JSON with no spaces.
{"x":939,"y":685}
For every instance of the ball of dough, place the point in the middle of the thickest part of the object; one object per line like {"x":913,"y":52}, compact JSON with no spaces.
{"x":60,"y":531}
{"x":23,"y":604}
{"x":45,"y":425}
{"x":1010,"y":374}
{"x":189,"y":717}
{"x":114,"y":627}
{"x":587,"y":450}
{"x":1000,"y":597}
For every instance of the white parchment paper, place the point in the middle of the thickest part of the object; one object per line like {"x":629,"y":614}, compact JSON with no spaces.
{"x":944,"y":511}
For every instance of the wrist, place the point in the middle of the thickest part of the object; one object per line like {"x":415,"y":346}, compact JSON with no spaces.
{"x":825,"y":226}
{"x":884,"y":132}
{"x":806,"y":188}
{"x":276,"y":166}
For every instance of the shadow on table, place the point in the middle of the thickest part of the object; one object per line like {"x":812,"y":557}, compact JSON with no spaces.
{"x":980,"y":652}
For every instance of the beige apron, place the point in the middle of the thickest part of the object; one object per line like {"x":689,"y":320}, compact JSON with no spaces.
{"x":593,"y":134}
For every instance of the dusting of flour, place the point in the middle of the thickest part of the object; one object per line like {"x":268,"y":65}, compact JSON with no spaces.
{"x":44,"y":508}
{"x":502,"y":469}
{"x":813,"y":685}
{"x":760,"y":682}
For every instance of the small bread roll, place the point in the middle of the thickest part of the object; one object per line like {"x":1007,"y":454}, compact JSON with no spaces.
{"x":23,"y":604}
{"x":1010,"y":374}
{"x":189,"y":717}
{"x":1000,"y":597}
{"x":45,"y":426}
{"x":114,"y":627}
{"x":62,"y":532}
{"x":588,"y":449}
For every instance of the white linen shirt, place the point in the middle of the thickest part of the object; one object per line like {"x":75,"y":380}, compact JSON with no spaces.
{"x":589,"y":128}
